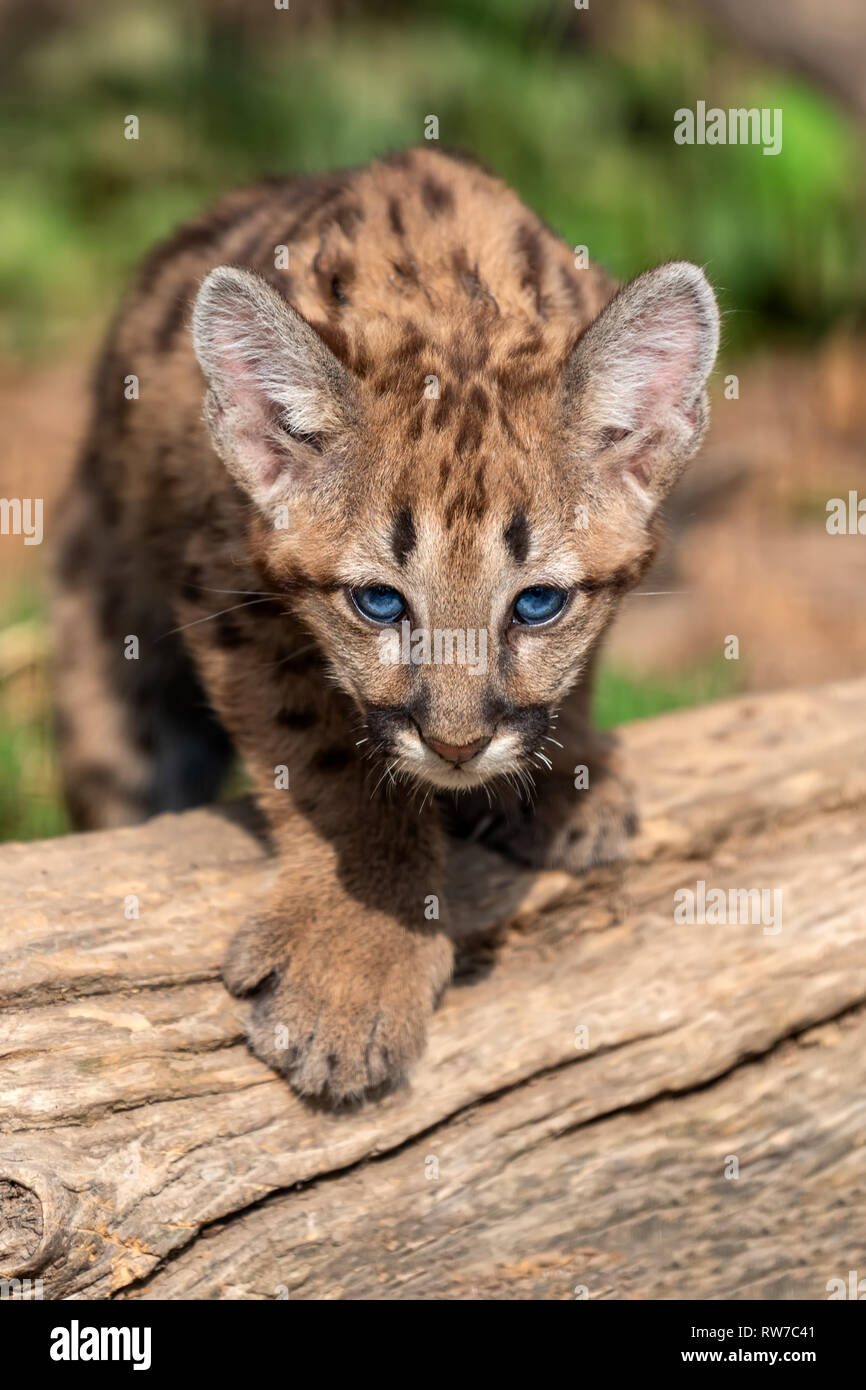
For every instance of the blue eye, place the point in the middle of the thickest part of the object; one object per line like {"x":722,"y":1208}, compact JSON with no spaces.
{"x":379,"y":602}
{"x":539,"y":605}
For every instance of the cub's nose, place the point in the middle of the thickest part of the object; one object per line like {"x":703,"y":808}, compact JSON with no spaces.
{"x":457,"y":752}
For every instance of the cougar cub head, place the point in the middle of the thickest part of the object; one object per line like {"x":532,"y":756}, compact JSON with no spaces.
{"x":456,"y":513}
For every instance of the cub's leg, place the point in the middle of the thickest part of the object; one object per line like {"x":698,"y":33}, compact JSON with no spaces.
{"x":348,"y":960}
{"x":136,"y":734}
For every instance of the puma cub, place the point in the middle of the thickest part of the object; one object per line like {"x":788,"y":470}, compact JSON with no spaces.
{"x":370,"y":467}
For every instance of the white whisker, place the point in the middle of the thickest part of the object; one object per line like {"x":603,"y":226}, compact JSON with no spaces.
{"x":209,"y":616}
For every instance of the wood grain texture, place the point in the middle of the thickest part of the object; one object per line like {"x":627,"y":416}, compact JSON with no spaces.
{"x":144,"y":1153}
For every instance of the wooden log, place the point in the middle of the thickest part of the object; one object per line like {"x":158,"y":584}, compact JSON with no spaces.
{"x":144,"y":1153}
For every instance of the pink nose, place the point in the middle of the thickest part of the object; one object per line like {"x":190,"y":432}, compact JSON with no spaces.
{"x":457,"y":752}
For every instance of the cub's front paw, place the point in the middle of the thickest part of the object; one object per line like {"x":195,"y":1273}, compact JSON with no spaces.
{"x":340,"y":1010}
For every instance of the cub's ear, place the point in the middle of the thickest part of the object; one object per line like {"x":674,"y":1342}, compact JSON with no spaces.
{"x":635,"y":384}
{"x":279,"y":404}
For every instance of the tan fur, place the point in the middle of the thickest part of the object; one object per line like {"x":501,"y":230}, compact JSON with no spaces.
{"x":326,"y":463}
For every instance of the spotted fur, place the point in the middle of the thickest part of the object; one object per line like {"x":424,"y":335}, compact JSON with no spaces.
{"x":430,"y":396}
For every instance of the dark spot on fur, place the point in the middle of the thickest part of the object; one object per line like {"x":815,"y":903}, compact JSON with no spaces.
{"x":322,"y":272}
{"x":469,"y":435}
{"x":191,"y":586}
{"x":74,"y":558}
{"x":415,"y":425}
{"x":335,"y":338}
{"x":572,"y":288}
{"x":529,"y":249}
{"x":516,"y":537}
{"x":399,"y":159}
{"x":348,"y":217}
{"x":478,"y":401}
{"x":436,"y":197}
{"x":251,"y":248}
{"x":173,"y":320}
{"x":108,"y":503}
{"x":412,"y":344}
{"x":332,"y":759}
{"x":467,"y":504}
{"x":478,"y":498}
{"x":505,"y":422}
{"x":339,"y":278}
{"x":395,"y":217}
{"x":470,"y":281}
{"x":109,"y":378}
{"x":227,"y":632}
{"x":395,"y":378}
{"x":406,"y":273}
{"x":359,"y":359}
{"x":531,"y":721}
{"x":469,"y":354}
{"x":515,"y":382}
{"x":529,"y":345}
{"x":455,"y":507}
{"x":297,"y":718}
{"x":269,"y":609}
{"x":403,"y":537}
{"x":444,"y":406}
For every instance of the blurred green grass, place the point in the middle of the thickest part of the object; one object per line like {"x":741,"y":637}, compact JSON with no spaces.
{"x":622,"y":696}
{"x":30,"y":806}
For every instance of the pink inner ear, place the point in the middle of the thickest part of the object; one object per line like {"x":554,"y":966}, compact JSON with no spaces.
{"x":254,"y":411}
{"x":238,"y":376}
{"x":661,"y":360}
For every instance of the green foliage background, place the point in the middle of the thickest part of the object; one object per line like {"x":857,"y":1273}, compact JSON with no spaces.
{"x":584,"y":133}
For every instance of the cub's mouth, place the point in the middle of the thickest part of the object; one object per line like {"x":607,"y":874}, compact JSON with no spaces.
{"x":511,"y":748}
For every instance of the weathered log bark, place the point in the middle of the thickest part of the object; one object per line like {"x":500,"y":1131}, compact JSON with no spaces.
{"x":144,"y":1153}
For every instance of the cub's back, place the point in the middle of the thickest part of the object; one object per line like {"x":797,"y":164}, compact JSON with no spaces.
{"x":422,"y":240}
{"x":421,"y":262}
